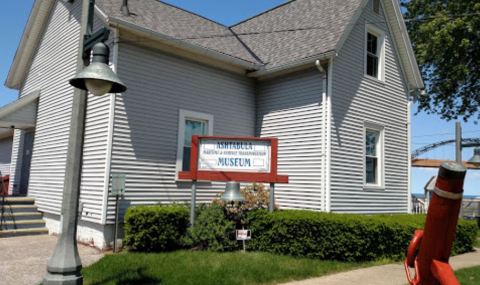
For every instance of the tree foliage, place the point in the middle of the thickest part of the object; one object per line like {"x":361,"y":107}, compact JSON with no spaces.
{"x":446,"y":38}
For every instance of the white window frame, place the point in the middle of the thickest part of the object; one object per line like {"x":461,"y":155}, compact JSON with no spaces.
{"x":370,"y":29}
{"x":184,"y":115}
{"x":380,"y":185}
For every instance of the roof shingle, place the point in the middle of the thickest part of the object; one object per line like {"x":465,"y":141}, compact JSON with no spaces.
{"x":289,"y":32}
{"x":179,"y":24}
{"x":297,"y":30}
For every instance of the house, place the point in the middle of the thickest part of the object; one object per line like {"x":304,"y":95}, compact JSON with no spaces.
{"x":330,"y":79}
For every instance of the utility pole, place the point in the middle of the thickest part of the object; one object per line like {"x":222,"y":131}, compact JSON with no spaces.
{"x":458,"y":142}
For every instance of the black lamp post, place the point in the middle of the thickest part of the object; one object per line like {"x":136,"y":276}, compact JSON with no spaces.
{"x":64,"y":266}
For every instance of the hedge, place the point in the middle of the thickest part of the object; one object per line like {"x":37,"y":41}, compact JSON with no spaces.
{"x":212,"y":231}
{"x":155,"y":228}
{"x":327,"y":236}
{"x":343,"y":237}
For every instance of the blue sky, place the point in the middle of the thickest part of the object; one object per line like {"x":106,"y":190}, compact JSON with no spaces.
{"x":425,"y":128}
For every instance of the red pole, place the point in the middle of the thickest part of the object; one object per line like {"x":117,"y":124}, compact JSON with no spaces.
{"x":436,"y":243}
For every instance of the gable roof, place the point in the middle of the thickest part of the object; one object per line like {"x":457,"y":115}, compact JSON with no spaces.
{"x":299,"y":29}
{"x":179,"y":24}
{"x":280,"y":38}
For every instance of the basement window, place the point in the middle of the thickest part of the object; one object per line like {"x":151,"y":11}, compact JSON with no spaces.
{"x":190,"y":123}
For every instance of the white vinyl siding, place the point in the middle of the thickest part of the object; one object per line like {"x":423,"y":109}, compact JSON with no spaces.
{"x":355,"y":99}
{"x":146,"y":121}
{"x":290,"y":108}
{"x":5,"y":155}
{"x":16,"y":162}
{"x":53,"y":64}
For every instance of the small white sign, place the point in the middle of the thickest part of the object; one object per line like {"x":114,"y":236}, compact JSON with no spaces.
{"x":234,"y":155}
{"x":244,"y":235}
{"x":118,"y":184}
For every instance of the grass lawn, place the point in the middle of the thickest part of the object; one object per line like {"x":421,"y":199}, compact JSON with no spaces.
{"x":199,"y":267}
{"x":469,"y":276}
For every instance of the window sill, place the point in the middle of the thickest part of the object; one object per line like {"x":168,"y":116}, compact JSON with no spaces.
{"x":374,"y":79}
{"x":367,"y":187}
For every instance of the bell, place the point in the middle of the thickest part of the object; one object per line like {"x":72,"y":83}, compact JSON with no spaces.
{"x":232,"y":192}
{"x":98,"y":77}
{"x":476,"y":156}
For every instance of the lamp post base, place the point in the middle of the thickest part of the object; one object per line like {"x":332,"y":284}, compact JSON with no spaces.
{"x":68,"y":278}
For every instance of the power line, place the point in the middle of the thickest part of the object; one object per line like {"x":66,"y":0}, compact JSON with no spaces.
{"x":437,"y":17}
{"x":445,"y":134}
{"x":322,"y":28}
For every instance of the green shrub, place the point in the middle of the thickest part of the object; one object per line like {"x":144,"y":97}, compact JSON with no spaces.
{"x":212,"y":230}
{"x":466,"y":237}
{"x":344,"y":237}
{"x":155,"y":228}
{"x":256,"y":197}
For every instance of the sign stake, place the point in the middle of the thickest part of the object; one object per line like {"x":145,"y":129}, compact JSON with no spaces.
{"x":243,"y":241}
{"x":118,"y":189}
{"x":193,"y":202}
{"x":116,"y":224}
{"x":271,"y":204}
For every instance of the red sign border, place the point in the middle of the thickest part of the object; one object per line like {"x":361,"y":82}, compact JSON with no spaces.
{"x":270,"y":177}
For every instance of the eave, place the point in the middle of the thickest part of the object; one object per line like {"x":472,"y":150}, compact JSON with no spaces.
{"x":32,"y":34}
{"x":182,"y":45}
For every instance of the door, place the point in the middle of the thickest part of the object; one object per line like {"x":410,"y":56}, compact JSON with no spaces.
{"x":26,"y":161}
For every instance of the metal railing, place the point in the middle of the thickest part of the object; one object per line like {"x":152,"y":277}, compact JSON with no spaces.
{"x":5,"y":208}
{"x":418,"y":206}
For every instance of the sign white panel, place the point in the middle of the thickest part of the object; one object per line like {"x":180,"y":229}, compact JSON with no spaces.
{"x":244,"y":235}
{"x":234,"y":155}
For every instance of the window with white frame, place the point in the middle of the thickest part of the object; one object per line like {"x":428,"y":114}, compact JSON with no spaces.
{"x":190,"y":123}
{"x":373,"y":156}
{"x":374,"y":53}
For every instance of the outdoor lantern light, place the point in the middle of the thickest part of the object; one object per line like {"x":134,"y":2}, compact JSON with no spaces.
{"x":98,"y":78}
{"x":232,"y":192}
{"x":476,"y":156}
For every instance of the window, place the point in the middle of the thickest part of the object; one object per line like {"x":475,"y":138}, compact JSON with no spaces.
{"x":373,"y":156}
{"x":190,"y":123}
{"x":374,"y":57}
{"x":376,"y":6}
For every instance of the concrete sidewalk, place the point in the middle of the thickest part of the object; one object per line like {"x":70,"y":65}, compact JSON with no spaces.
{"x":391,"y":274}
{"x":23,"y":260}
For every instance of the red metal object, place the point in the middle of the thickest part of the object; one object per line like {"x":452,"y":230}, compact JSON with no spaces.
{"x":443,"y":273}
{"x":434,"y":245}
{"x":5,"y":182}
{"x":271,"y":177}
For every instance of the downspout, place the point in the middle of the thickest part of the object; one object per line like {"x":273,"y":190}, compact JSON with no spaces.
{"x":329,"y":136}
{"x":409,"y":173}
{"x":324,"y":135}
